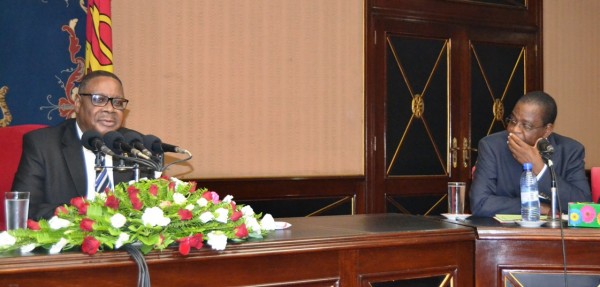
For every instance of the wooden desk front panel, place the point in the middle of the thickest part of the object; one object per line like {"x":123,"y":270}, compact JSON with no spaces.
{"x":501,"y":250}
{"x":326,"y":251}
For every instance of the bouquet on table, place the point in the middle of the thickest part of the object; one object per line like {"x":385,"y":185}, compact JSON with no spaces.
{"x":153,"y":213}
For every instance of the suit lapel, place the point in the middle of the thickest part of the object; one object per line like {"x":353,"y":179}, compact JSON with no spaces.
{"x":73,"y":154}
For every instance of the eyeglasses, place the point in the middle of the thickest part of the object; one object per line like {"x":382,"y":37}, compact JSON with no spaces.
{"x":102,"y":100}
{"x":510,"y":121}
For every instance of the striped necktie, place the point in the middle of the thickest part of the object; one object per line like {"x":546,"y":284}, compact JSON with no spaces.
{"x":102,"y":179}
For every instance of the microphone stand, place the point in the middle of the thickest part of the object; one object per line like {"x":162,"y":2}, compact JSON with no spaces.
{"x":555,"y":217}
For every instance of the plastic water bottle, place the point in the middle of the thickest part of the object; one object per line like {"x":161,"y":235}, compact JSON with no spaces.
{"x":530,"y":201}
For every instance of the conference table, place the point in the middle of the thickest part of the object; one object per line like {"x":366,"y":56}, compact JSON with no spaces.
{"x":380,"y":250}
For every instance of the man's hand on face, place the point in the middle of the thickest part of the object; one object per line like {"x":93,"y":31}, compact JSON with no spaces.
{"x":522,"y":152}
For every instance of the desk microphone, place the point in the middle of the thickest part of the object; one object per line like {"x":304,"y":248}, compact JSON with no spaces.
{"x":92,"y":140}
{"x":117,"y":143}
{"x":545,"y":148}
{"x":135,"y":140}
{"x":154,"y":144}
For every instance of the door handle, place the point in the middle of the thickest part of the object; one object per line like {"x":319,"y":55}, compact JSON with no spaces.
{"x":466,"y":152}
{"x":454,"y":152}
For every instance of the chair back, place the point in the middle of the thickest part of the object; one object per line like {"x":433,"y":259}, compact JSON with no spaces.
{"x":11,"y":139}
{"x":595,"y":183}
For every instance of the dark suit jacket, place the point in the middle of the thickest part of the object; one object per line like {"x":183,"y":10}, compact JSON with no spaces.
{"x":52,"y":168}
{"x":496,"y":182}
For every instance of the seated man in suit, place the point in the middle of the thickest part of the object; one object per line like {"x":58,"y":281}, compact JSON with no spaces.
{"x":54,"y":166}
{"x":496,"y":182}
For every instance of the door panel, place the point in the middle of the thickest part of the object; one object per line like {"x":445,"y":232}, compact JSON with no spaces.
{"x":412,"y":112}
{"x":440,"y":76}
{"x":416,"y":106}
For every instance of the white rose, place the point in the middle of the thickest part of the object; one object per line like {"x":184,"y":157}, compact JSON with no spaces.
{"x":267,"y":222}
{"x":56,"y":248}
{"x":189,"y":207}
{"x":58,"y":223}
{"x":217,"y":240}
{"x":206,"y":217}
{"x":247,"y":210}
{"x":28,"y":248}
{"x":222,"y":214}
{"x":177,"y":182}
{"x":202,"y":202}
{"x":123,"y":238}
{"x":179,"y":198}
{"x":252,"y":224}
{"x":118,"y":220}
{"x":228,"y":198}
{"x":6,"y":240}
{"x":154,"y":216}
{"x":101,"y":195}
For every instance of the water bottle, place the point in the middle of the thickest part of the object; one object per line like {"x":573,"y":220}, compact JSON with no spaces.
{"x":530,"y":201}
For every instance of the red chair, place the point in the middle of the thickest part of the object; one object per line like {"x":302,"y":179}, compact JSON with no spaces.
{"x":11,"y":139}
{"x":595,"y":183}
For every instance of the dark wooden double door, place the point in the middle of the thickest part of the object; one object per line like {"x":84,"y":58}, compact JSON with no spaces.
{"x":441,"y":75}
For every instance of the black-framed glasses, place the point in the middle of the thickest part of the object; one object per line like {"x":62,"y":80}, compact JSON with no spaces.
{"x":510,"y":121}
{"x":102,"y":100}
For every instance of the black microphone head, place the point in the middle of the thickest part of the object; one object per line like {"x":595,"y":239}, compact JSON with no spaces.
{"x":114,"y":141}
{"x":153,"y":143}
{"x":544,"y":147}
{"x":132,"y":138}
{"x":92,"y":140}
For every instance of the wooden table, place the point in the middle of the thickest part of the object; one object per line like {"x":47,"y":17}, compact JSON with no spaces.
{"x":352,"y":250}
{"x":510,"y":255}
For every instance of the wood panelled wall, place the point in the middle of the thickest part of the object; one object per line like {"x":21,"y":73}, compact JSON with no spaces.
{"x":572,"y":70}
{"x":269,"y":95}
{"x":255,"y":88}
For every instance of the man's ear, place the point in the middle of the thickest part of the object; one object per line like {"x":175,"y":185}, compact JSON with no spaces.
{"x":77,"y":102}
{"x":548,"y":130}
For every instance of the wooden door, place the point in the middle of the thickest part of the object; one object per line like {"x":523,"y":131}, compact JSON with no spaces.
{"x":437,"y":84}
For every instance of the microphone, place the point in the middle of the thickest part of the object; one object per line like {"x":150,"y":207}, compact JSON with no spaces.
{"x":93,"y":141}
{"x":116,"y":142}
{"x":544,"y":147}
{"x":154,"y":144}
{"x":135,"y":140}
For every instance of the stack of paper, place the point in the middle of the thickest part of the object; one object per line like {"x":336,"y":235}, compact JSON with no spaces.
{"x":512,"y":218}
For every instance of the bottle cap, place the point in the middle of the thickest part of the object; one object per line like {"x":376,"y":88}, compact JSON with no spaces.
{"x":527,"y":166}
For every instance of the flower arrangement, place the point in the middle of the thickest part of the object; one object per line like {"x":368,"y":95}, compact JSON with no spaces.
{"x":154,"y":213}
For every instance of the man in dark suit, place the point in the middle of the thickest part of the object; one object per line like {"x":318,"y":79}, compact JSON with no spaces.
{"x":54,"y":165}
{"x":496,"y":182}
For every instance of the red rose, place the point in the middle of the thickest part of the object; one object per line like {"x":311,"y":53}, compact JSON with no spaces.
{"x":172,"y":186}
{"x":77,"y":201}
{"x":33,"y":225}
{"x":186,"y":243}
{"x":86,"y":224}
{"x":207,"y":195}
{"x":131,"y":189}
{"x":112,"y":202}
{"x":61,"y":210}
{"x":184,"y":214}
{"x":136,"y":203}
{"x":232,"y":205}
{"x":90,"y":245}
{"x":241,"y":231}
{"x":135,"y":200}
{"x":184,"y":246}
{"x":236,"y":215}
{"x":211,"y":196}
{"x":80,"y":204}
{"x":153,"y":189}
{"x":196,"y":241}
{"x":193,"y":187}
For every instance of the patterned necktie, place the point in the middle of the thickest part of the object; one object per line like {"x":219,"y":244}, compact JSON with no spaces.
{"x":102,"y":179}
